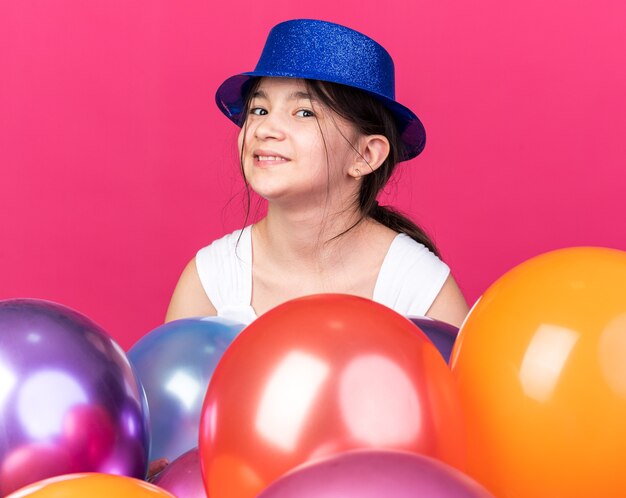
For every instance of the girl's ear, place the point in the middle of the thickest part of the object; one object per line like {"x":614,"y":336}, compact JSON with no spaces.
{"x":373,"y":150}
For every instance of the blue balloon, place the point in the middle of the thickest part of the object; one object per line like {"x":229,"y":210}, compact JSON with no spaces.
{"x":175,"y":362}
{"x":441,"y":334}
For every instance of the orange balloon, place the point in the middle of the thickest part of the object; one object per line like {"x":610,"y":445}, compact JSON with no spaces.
{"x":317,"y":376}
{"x":92,"y":486}
{"x":541,"y":366}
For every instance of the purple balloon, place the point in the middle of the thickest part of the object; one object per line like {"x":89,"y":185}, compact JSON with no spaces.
{"x":441,"y":334}
{"x":183,"y":477}
{"x":69,"y":400}
{"x":373,"y":474}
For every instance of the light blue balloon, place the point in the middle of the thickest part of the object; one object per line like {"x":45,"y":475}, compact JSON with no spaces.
{"x":175,"y":362}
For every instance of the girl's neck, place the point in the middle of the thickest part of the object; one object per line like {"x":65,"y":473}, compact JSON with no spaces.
{"x":308,"y":239}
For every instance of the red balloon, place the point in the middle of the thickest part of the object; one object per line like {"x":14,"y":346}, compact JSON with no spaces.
{"x":317,"y":376}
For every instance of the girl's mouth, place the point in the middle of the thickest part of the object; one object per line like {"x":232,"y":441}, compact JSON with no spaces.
{"x":268,"y":159}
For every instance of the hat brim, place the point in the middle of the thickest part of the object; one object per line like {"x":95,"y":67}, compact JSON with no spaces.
{"x":230,"y":99}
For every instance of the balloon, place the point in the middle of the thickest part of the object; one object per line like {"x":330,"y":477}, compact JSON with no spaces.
{"x":89,"y":433}
{"x":92,"y":486}
{"x":317,"y":376}
{"x":174,"y":363}
{"x":183,"y":477}
{"x":69,"y":401}
{"x":441,"y":334}
{"x":34,"y":462}
{"x":375,"y":474}
{"x":540,"y":362}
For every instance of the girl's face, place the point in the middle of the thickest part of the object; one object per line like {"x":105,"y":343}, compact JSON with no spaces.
{"x":294,"y":148}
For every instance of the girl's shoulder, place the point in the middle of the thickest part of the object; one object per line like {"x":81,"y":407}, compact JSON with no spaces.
{"x":410,"y":277}
{"x":229,"y":242}
{"x":224,"y":269}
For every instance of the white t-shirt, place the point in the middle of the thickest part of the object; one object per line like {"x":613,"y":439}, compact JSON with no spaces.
{"x":408,"y":281}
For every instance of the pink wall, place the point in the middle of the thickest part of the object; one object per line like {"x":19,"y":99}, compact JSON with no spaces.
{"x":116,"y":166}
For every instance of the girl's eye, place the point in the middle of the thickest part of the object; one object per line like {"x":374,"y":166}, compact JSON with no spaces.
{"x":305,"y":113}
{"x":258,"y":111}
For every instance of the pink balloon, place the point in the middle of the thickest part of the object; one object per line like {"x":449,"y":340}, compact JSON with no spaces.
{"x":183,"y":477}
{"x":374,"y":474}
{"x":89,"y":434}
{"x":33,"y":462}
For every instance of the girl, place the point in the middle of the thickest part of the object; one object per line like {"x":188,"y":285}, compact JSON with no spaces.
{"x":321,"y":133}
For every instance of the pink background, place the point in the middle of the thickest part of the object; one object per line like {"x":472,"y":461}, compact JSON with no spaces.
{"x":116,"y":166}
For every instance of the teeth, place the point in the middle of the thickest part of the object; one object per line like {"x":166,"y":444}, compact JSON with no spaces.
{"x":270,"y":158}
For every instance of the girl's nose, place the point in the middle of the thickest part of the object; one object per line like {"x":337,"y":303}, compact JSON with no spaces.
{"x":270,"y":126}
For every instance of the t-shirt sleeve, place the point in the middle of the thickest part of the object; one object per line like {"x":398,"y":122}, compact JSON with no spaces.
{"x":225,"y":271}
{"x":411,"y":278}
{"x":209,"y":262}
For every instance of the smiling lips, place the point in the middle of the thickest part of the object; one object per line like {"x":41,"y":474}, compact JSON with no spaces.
{"x":263,"y":158}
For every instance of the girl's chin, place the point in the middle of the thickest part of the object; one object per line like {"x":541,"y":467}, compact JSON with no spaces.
{"x":269,"y":192}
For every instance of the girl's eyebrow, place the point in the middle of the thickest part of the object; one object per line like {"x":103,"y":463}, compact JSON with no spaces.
{"x":298,"y":95}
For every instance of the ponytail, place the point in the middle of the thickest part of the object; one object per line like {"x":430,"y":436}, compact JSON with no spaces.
{"x":389,"y":217}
